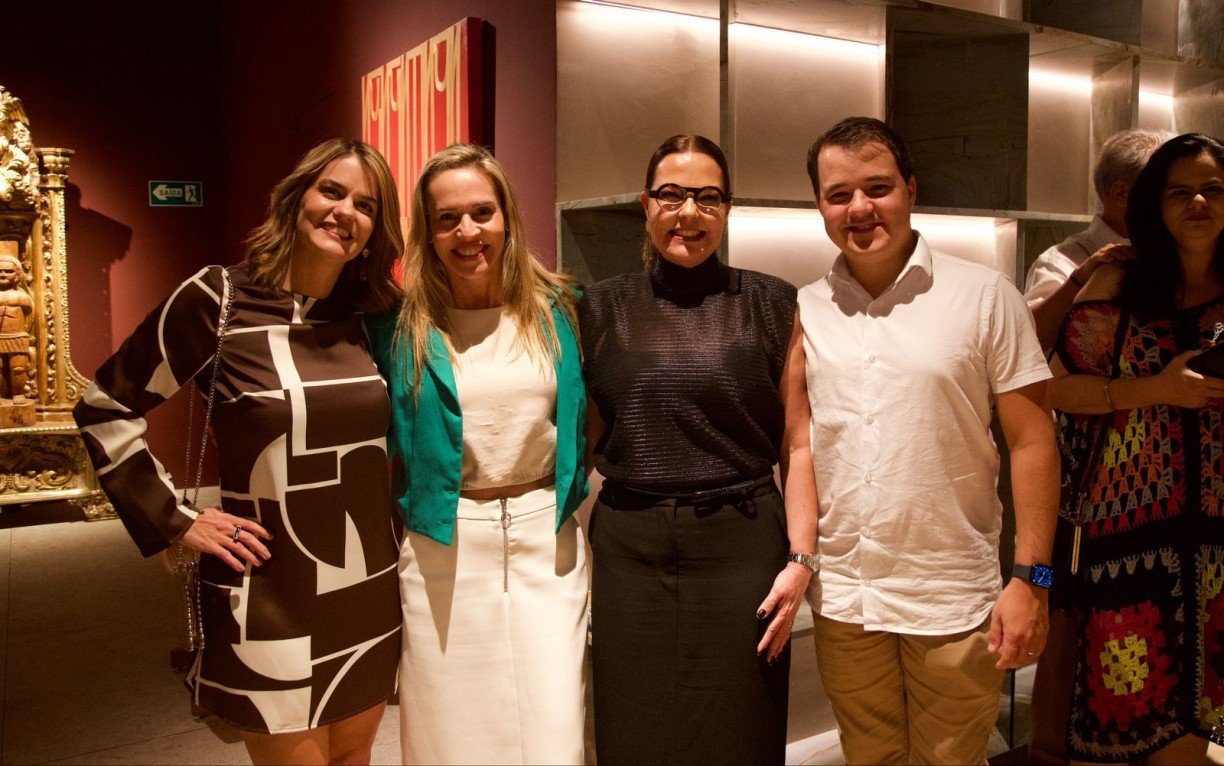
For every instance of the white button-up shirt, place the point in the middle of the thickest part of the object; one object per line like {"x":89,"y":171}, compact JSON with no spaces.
{"x":1053,"y":268}
{"x":901,"y":389}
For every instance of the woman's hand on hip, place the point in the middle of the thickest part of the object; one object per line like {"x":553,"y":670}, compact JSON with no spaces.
{"x":783,"y":603}
{"x":1184,"y":387}
{"x":230,"y":538}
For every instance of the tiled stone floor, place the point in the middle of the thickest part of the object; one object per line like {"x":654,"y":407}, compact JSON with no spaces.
{"x":86,"y":626}
{"x":85,"y":630}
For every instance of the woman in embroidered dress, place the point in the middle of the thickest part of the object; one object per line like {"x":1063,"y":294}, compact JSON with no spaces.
{"x":298,"y":585}
{"x":1149,"y":681}
{"x":486,"y":440}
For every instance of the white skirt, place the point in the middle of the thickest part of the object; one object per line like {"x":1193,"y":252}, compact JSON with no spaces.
{"x":495,"y":637}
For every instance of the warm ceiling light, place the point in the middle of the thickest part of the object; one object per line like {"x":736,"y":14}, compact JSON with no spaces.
{"x":1062,"y":82}
{"x":643,"y":9}
{"x":774,"y":37}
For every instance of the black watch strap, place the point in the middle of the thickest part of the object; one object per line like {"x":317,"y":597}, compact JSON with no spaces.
{"x":1038,"y":574}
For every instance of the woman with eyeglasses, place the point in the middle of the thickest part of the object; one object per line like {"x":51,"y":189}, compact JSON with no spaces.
{"x":694,"y":592}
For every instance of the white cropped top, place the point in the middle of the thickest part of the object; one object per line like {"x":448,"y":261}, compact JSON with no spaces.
{"x":508,"y":401}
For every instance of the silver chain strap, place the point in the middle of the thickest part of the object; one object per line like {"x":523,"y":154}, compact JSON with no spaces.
{"x":183,"y":560}
{"x":227,"y":299}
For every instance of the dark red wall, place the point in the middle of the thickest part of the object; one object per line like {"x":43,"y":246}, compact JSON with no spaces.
{"x":290,"y":80}
{"x":231,"y":94}
{"x":134,"y":94}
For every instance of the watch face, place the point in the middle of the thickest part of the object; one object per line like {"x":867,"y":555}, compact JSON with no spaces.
{"x":1042,"y":576}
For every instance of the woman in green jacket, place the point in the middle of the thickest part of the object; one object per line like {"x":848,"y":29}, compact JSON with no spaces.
{"x":486,"y":443}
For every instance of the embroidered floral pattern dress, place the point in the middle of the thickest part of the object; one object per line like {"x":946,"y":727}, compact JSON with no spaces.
{"x":1151,"y":654}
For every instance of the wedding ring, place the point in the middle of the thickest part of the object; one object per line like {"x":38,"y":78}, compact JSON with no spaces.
{"x":237,"y":531}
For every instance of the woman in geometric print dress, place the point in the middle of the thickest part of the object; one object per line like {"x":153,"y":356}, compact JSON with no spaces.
{"x":1149,"y":682}
{"x":299,"y":594}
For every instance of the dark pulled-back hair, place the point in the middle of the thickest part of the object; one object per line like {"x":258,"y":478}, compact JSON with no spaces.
{"x":854,"y":133}
{"x":1150,"y":284}
{"x":683,"y":143}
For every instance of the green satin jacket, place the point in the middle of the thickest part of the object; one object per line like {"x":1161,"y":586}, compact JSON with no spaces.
{"x":425,"y":443}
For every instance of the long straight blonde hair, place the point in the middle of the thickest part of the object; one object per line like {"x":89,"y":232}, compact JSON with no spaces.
{"x":528,"y":289}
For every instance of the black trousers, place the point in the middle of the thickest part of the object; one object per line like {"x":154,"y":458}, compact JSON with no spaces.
{"x":677,"y":583}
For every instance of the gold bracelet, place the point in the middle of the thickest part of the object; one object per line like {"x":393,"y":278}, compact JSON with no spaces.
{"x":1109,"y":399}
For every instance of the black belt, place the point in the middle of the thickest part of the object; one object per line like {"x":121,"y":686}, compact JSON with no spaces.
{"x":744,"y":489}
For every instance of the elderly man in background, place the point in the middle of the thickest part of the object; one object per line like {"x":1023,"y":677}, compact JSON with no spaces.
{"x":1059,"y":273}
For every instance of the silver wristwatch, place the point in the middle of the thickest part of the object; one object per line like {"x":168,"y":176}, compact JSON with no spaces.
{"x":809,"y":560}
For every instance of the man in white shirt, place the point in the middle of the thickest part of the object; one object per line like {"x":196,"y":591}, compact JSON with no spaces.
{"x":1059,"y":273}
{"x":905,"y":352}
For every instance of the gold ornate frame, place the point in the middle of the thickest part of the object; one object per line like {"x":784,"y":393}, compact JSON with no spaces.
{"x":46,"y":460}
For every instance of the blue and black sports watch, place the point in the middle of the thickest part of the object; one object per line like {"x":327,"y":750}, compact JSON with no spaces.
{"x":1038,"y":574}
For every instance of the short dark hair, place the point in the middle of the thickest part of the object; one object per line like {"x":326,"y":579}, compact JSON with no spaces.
{"x":684,"y":143}
{"x":853,"y":133}
{"x":1149,"y":286}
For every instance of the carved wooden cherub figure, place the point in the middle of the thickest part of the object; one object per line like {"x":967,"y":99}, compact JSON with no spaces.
{"x":15,"y":309}
{"x":18,"y":165}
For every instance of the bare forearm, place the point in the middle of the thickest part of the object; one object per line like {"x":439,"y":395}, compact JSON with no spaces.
{"x":1035,"y":469}
{"x":1096,"y":394}
{"x":1029,"y":430}
{"x":799,"y":494}
{"x":1082,"y":394}
{"x":798,"y":477}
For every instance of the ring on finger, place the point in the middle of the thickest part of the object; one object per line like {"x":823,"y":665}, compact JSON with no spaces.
{"x":237,"y":531}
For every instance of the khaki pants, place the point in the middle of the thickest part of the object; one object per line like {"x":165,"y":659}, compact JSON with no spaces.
{"x":902,"y":698}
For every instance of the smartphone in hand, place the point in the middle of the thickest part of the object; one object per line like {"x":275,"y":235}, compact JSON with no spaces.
{"x":1210,"y":363}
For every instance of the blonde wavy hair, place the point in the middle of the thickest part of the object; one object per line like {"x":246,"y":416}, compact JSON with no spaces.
{"x":270,"y":245}
{"x":528,"y":289}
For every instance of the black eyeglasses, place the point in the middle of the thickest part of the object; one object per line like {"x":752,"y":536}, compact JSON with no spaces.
{"x":708,"y":198}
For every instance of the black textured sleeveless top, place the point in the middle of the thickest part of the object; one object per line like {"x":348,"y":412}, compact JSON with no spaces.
{"x":684,"y":366}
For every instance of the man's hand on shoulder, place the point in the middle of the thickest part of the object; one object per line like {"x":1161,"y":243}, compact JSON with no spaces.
{"x":1100,"y":276}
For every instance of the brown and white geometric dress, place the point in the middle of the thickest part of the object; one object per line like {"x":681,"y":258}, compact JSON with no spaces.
{"x":300,"y":417}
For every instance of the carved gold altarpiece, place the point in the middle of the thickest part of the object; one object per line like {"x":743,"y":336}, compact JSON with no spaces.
{"x":44,"y":459}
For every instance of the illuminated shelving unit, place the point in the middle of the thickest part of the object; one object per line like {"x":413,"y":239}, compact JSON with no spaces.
{"x":1004,"y":104}
{"x":1003,"y":110}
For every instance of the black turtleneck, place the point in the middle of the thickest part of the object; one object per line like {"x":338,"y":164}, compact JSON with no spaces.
{"x":688,"y":286}
{"x":684,"y":366}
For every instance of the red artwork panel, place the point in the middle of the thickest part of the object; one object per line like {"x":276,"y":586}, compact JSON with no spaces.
{"x":437,"y":94}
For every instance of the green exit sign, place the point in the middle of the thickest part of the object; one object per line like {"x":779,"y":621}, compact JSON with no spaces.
{"x":176,"y":193}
